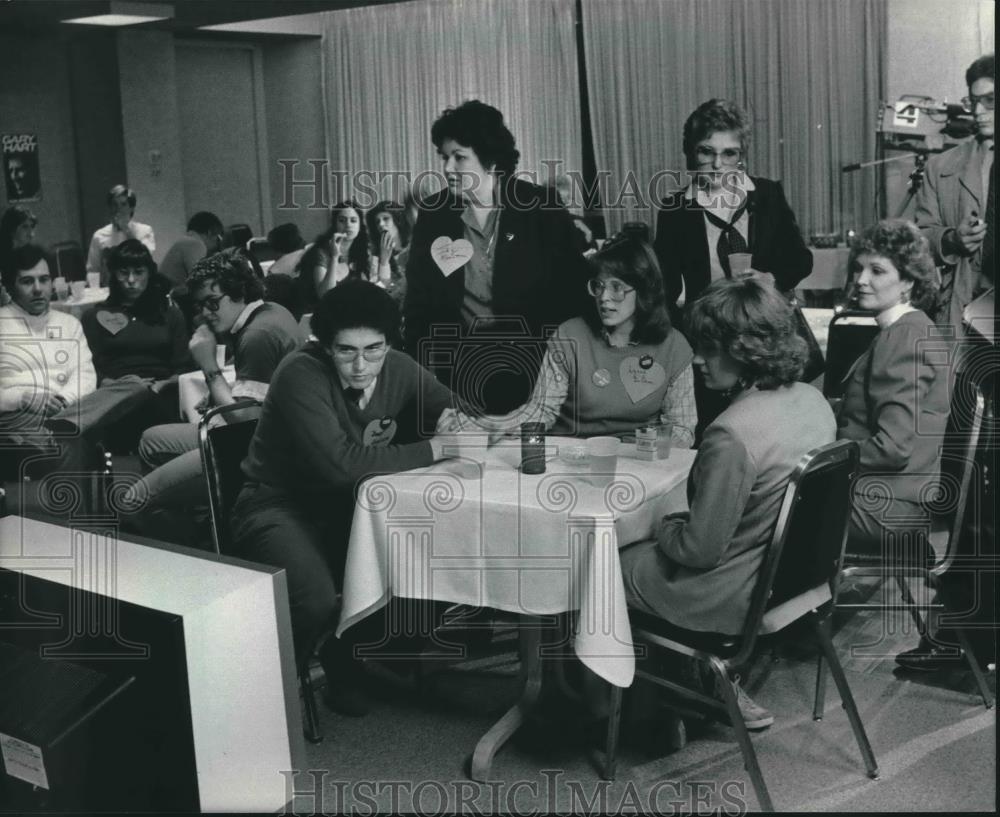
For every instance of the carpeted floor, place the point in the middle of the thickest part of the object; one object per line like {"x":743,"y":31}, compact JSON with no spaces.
{"x":934,"y":741}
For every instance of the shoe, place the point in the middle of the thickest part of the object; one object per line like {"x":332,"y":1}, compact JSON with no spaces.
{"x":754,"y":715}
{"x":928,"y":657}
{"x":347,"y":698}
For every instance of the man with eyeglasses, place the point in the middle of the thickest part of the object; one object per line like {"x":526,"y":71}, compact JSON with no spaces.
{"x":955,"y":207}
{"x":228,"y":300}
{"x":343,"y":408}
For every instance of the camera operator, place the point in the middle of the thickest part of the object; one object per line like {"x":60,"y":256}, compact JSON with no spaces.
{"x":954,"y":206}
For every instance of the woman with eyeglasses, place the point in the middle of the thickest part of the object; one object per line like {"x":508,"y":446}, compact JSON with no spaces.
{"x":619,"y":367}
{"x":724,"y":211}
{"x":345,"y":407}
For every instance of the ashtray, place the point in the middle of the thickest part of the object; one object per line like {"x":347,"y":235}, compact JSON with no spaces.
{"x":573,"y":454}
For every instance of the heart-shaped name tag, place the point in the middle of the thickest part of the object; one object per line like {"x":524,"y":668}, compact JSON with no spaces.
{"x":114,"y":322}
{"x":379,"y":432}
{"x":450,"y":255}
{"x":641,"y":377}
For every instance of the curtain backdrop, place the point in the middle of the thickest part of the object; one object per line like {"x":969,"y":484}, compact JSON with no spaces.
{"x":810,"y":72}
{"x":390,"y":71}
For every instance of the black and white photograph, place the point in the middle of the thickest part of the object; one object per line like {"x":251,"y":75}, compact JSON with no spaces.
{"x":497,"y":407}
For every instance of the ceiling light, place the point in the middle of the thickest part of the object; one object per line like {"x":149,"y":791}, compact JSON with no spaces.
{"x":124,"y":13}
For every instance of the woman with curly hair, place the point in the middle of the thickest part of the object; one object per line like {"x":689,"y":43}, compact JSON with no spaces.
{"x":896,"y":399}
{"x":339,"y":254}
{"x":621,"y":365}
{"x":701,"y":569}
{"x":492,"y":264}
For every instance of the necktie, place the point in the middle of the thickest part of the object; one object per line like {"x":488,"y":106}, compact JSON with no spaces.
{"x":352,"y":395}
{"x":730,"y":239}
{"x":986,"y":265}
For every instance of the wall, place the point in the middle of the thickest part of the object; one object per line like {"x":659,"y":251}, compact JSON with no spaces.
{"x":150,"y":124}
{"x":294,"y":102}
{"x":35,"y":98}
{"x":931,"y":43}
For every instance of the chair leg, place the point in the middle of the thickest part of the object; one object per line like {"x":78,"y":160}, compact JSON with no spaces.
{"x":977,"y":672}
{"x":614,"y":728}
{"x":846,"y":698}
{"x":911,"y":606}
{"x":819,"y":702}
{"x":742,"y":735}
{"x":311,"y":730}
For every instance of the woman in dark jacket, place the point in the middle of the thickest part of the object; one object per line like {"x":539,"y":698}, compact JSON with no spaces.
{"x":723,"y":211}
{"x":491,"y":266}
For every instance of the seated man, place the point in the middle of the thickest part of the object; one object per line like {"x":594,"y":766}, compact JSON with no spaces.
{"x":121,"y":204}
{"x":225,"y":290}
{"x":203,"y":237}
{"x":342,"y":409}
{"x":47,"y":367}
{"x":288,"y":242}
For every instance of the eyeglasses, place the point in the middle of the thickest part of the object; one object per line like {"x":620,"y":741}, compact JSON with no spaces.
{"x":209,"y":302}
{"x":347,"y":354}
{"x":969,"y":102}
{"x":707,"y":156}
{"x":616,"y":289}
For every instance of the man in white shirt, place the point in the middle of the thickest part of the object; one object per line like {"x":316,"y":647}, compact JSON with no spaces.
{"x":47,"y":365}
{"x":121,"y":205}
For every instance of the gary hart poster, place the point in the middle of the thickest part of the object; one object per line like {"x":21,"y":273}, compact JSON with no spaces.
{"x":20,"y":167}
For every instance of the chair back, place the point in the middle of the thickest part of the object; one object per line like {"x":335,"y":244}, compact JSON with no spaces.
{"x":68,"y":261}
{"x":850,"y":335}
{"x":261,"y":249}
{"x":223,"y":447}
{"x":807,"y":545}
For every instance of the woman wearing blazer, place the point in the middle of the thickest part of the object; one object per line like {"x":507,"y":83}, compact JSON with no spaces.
{"x":896,"y":399}
{"x":722,"y":211}
{"x":491,"y":266}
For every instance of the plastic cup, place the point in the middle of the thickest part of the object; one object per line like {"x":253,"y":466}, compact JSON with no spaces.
{"x":740,"y":264}
{"x":77,"y":288}
{"x":61,"y":287}
{"x":664,"y":439}
{"x":603,"y":454}
{"x":94,"y":280}
{"x":220,"y":355}
{"x":532,"y":448}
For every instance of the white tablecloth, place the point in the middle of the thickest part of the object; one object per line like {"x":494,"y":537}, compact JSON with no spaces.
{"x":77,"y":306}
{"x":192,"y":389}
{"x":484,"y":534}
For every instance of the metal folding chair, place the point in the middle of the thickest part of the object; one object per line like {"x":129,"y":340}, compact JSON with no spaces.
{"x":797,"y":581}
{"x":223,"y":447}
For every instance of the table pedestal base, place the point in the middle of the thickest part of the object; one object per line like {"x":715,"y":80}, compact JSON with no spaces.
{"x":530,"y":642}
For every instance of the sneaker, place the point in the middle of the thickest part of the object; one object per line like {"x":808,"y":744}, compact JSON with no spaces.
{"x":754,"y":715}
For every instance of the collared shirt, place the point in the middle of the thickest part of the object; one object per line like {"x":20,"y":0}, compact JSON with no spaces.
{"x":888,"y":317}
{"x":244,"y":316}
{"x":109,"y":236}
{"x":719,"y":205}
{"x":477,"y":302}
{"x":366,"y":395}
{"x":43,"y":351}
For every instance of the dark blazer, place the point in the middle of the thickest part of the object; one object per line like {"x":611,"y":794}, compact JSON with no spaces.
{"x":774,"y":241}
{"x":538,"y":276}
{"x":896,"y":406}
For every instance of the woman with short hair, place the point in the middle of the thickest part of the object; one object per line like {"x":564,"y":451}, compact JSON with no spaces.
{"x":621,"y":365}
{"x":896,"y":398}
{"x":724,"y":210}
{"x":492,"y":264}
{"x":700,"y":570}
